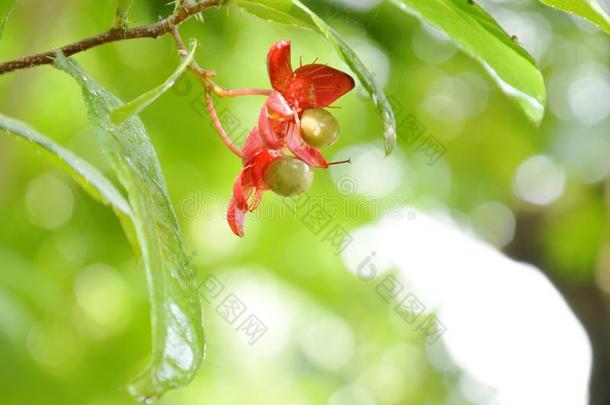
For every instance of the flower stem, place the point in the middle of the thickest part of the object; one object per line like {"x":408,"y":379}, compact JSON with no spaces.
{"x":221,"y":131}
{"x":210,"y":87}
{"x":238,"y":92}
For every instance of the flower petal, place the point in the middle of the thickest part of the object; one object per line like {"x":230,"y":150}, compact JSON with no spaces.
{"x":270,"y":134}
{"x":249,"y":186}
{"x":260,"y":164}
{"x":252,"y":146}
{"x":236,"y":217}
{"x":273,"y":121}
{"x":243,"y":188}
{"x":318,"y":86}
{"x":279,"y":66}
{"x":256,"y":201}
{"x":306,"y":153}
{"x":278,"y":108}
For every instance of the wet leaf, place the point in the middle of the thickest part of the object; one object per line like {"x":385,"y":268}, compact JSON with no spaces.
{"x":176,"y":319}
{"x":591,"y":10}
{"x":478,"y":34}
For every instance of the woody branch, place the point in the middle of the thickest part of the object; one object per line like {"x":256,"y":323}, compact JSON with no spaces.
{"x":155,"y":30}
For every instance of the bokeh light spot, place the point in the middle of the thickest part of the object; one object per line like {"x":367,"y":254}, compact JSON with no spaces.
{"x":494,"y":222}
{"x":539,"y":180}
{"x":50,"y":201}
{"x":103,"y":296}
{"x":328,"y":342}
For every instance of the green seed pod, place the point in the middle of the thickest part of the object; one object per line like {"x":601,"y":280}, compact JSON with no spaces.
{"x":288,"y":176}
{"x":319,"y":127}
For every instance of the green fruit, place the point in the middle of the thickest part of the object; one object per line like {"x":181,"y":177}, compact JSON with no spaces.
{"x":288,"y":176}
{"x":319,"y":128}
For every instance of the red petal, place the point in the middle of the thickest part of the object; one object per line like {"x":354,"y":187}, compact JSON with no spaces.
{"x":306,"y":153}
{"x":243,"y":188}
{"x":272,"y":132}
{"x":272,"y":121}
{"x":236,"y":217}
{"x":260,"y":164}
{"x":318,"y":86}
{"x":249,"y":186}
{"x":258,"y":197}
{"x":278,"y":108}
{"x":279,"y":66}
{"x":252,"y":146}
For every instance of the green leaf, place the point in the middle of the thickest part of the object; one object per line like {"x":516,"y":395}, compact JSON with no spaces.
{"x":473,"y":30}
{"x":591,"y":10}
{"x":295,"y":13}
{"x":138,"y":104}
{"x":281,"y":11}
{"x":177,"y":329}
{"x":87,"y":176}
{"x":6,"y":6}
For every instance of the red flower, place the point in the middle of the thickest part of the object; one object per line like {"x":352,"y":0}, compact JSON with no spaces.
{"x":310,"y":86}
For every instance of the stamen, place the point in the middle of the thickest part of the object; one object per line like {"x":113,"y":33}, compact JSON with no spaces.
{"x":327,"y":87}
{"x":316,"y":70}
{"x":322,"y":76}
{"x":348,"y":161}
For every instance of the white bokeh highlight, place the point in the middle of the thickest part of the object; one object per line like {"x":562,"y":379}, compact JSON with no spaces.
{"x":507,"y":326}
{"x":539,"y":180}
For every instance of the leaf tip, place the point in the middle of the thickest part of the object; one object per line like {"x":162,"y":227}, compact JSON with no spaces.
{"x":142,"y":389}
{"x":390,"y":140}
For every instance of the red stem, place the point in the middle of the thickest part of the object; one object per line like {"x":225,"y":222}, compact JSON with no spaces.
{"x":241,"y":92}
{"x":221,"y":131}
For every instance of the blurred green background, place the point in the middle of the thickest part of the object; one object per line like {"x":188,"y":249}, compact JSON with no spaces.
{"x":74,"y":320}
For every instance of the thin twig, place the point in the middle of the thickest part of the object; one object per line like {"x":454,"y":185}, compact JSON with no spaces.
{"x":115,"y":34}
